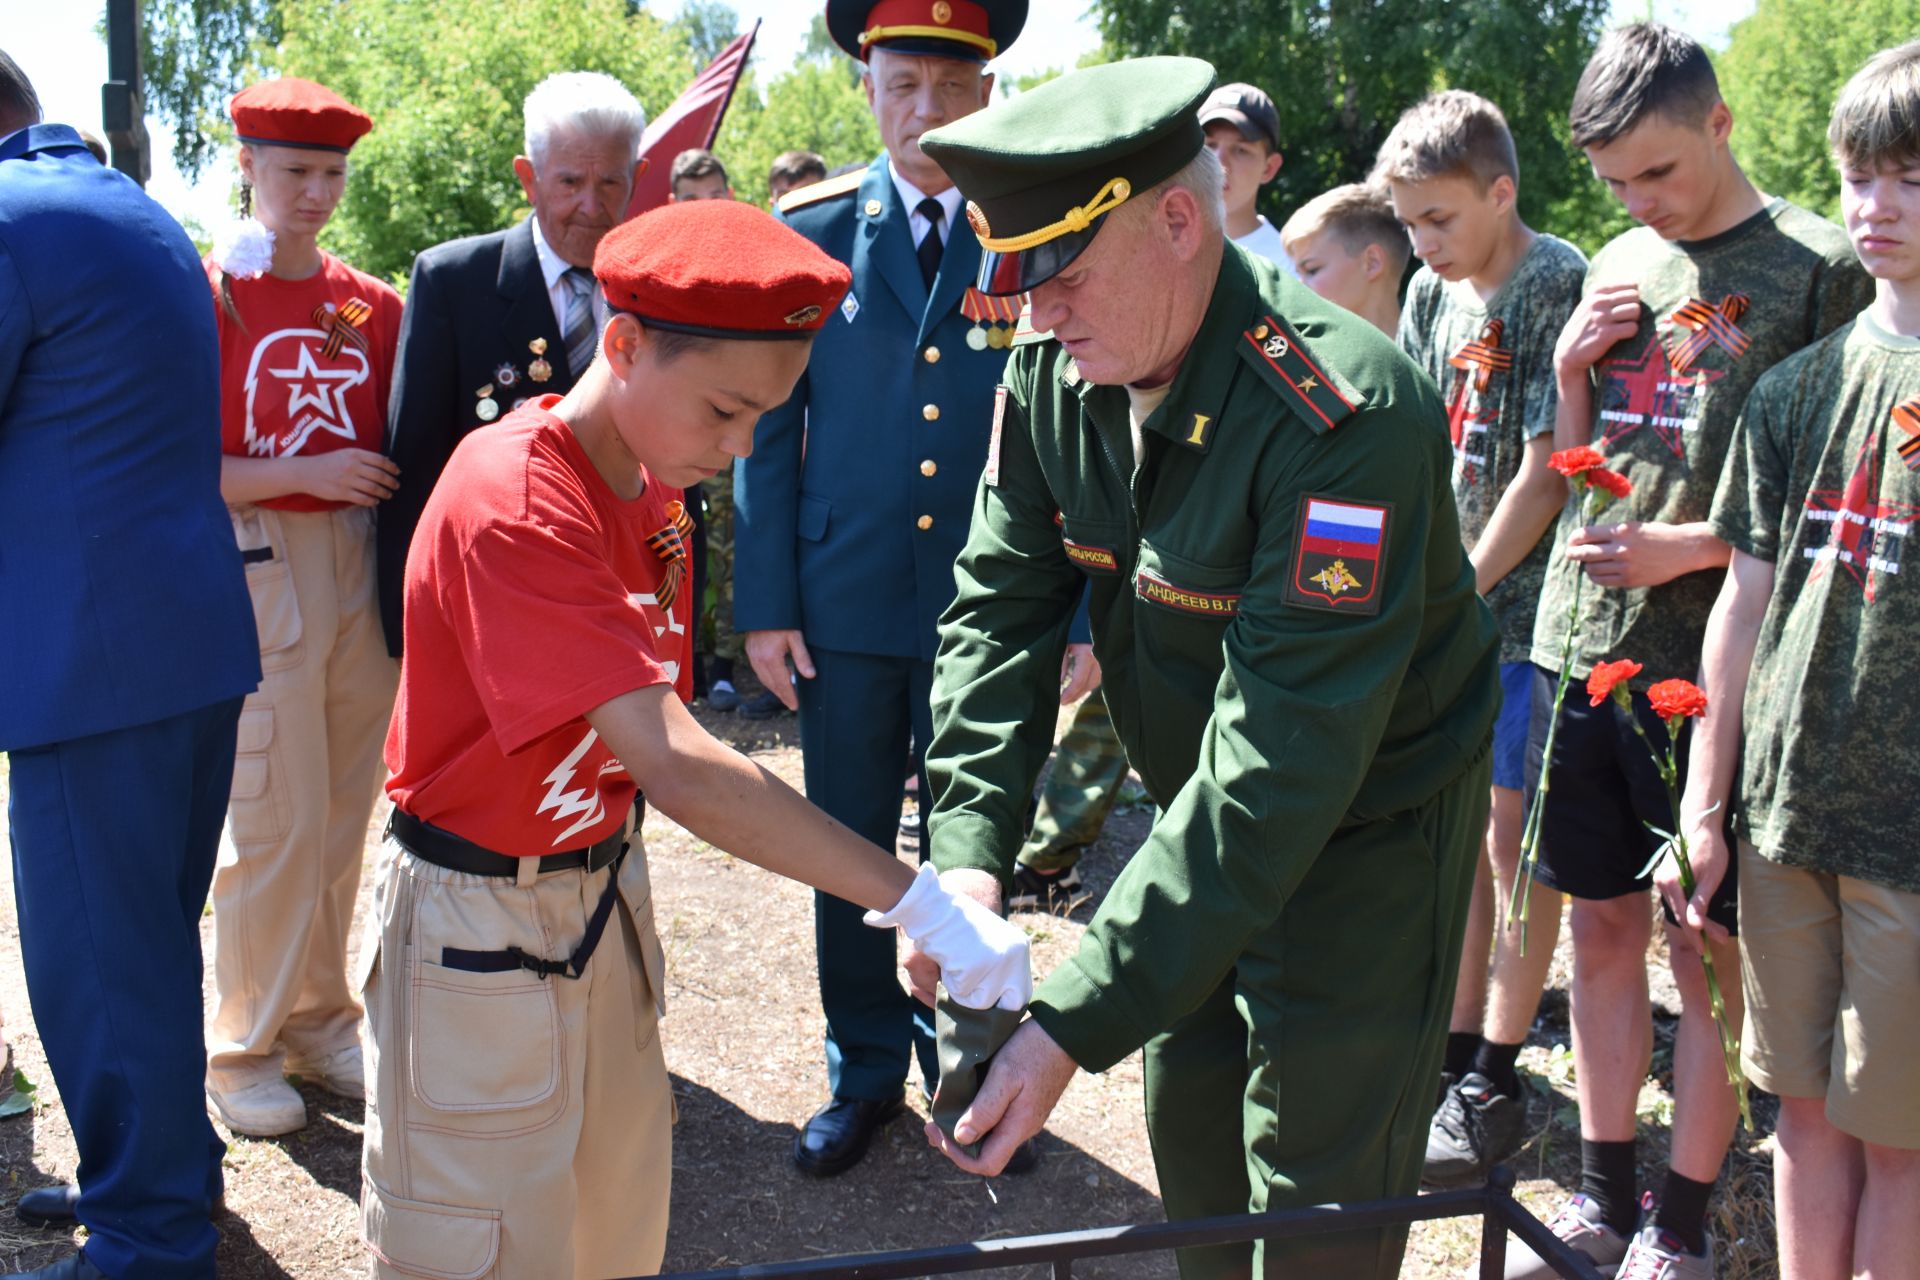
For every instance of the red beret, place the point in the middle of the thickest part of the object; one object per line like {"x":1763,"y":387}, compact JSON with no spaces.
{"x":289,"y":112}
{"x":719,"y":268}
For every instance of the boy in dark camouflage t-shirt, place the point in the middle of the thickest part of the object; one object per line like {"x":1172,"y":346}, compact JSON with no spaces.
{"x":1815,"y":627}
{"x":1481,"y":318}
{"x":1681,"y":317}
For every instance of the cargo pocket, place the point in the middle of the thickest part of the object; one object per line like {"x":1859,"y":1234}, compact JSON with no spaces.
{"x":276,"y":608}
{"x":1203,"y":594}
{"x":437,"y":1241}
{"x":257,"y":808}
{"x":483,"y":1042}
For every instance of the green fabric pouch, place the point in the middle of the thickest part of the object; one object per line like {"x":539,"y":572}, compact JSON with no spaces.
{"x":966,"y":1041}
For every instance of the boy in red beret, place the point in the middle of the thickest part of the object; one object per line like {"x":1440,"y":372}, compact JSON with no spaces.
{"x":306,"y":357}
{"x":520,"y":1116}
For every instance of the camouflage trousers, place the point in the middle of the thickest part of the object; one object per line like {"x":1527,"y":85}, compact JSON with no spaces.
{"x":1088,"y":767}
{"x":716,"y":634}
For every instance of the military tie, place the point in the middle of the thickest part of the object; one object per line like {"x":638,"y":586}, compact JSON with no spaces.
{"x":930,"y":244}
{"x":578,"y":332}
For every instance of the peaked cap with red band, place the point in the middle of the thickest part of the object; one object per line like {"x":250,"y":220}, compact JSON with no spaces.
{"x":290,"y":112}
{"x":719,"y":269}
{"x":969,"y":30}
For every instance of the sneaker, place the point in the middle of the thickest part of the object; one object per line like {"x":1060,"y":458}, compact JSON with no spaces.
{"x":342,"y":1071}
{"x":723,"y":696}
{"x":264,"y":1110}
{"x":1476,"y":1128}
{"x":1578,"y":1226}
{"x":1447,"y":1081}
{"x":1657,"y":1254}
{"x":762,"y":706}
{"x":910,"y":823}
{"x":1037,"y":891}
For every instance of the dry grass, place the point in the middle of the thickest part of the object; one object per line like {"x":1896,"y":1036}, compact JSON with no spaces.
{"x":743,"y":1044}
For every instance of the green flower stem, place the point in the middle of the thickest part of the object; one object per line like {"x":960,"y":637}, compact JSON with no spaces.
{"x":1670,"y":775}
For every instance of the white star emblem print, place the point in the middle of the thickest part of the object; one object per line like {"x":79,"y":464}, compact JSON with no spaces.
{"x":316,"y":398}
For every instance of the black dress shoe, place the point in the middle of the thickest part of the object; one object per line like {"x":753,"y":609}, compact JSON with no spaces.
{"x":838,"y":1135}
{"x":1025,"y":1159}
{"x":72,"y":1267}
{"x":49,"y":1206}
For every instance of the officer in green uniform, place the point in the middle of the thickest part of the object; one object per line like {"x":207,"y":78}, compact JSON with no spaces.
{"x":1253,"y":486}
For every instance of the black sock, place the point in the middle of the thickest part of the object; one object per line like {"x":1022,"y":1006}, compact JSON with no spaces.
{"x":1496,"y":1063}
{"x":1683,"y":1210}
{"x":721,"y":669}
{"x":1607,"y":1178}
{"x":1461,"y":1046}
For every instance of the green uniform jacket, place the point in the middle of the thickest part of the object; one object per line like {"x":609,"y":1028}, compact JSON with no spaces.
{"x":1272,"y":686}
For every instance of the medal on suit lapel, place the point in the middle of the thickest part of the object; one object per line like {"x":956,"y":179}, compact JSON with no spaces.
{"x":992,"y":319}
{"x":538,"y":369}
{"x":488,"y":409}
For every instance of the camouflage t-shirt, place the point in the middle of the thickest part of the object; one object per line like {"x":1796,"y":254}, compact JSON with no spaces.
{"x":1822,"y":483}
{"x":1494,"y":364}
{"x":1715,"y":314}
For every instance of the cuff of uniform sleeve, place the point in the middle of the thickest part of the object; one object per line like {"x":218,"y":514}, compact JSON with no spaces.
{"x":1082,"y":1021}
{"x":969,"y":841}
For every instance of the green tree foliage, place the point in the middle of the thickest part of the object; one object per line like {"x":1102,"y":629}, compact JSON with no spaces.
{"x":815,"y":106}
{"x":1783,"y":68}
{"x":1341,"y":71}
{"x":196,"y":53}
{"x":444,"y":83}
{"x":708,"y":26}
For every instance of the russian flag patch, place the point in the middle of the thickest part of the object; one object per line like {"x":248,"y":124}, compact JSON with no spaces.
{"x":1338,"y":555}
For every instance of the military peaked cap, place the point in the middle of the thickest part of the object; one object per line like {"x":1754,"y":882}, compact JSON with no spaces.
{"x":970,"y":30}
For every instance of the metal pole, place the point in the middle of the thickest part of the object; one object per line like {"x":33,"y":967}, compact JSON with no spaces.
{"x":1493,"y":1224}
{"x":123,"y":111}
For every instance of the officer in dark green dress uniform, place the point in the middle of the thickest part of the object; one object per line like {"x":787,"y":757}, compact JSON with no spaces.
{"x":1253,"y":485}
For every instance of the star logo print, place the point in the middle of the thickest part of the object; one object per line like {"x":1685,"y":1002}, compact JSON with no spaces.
{"x":315,"y":392}
{"x":1646,"y":393}
{"x":1866,"y":534}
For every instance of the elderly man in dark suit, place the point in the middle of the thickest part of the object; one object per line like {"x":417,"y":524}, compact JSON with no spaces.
{"x":126,"y":646}
{"x":496,"y":319}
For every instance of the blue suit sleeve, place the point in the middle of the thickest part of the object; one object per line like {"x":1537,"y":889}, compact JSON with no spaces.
{"x":16,"y":328}
{"x":766,"y":501}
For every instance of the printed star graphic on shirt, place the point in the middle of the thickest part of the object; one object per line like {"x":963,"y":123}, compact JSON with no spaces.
{"x":1467,"y":418}
{"x":1867,"y":534}
{"x":1646,"y":392}
{"x":650,"y":605}
{"x":316,"y":392}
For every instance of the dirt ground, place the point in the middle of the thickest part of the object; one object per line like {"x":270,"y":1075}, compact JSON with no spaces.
{"x":743,"y":1043}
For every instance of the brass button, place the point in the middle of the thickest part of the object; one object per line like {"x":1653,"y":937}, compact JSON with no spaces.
{"x":931,"y":355}
{"x":928,"y":467}
{"x":873,"y":208}
{"x":931,"y":413}
{"x":925,"y":522}
{"x":1260,"y":333}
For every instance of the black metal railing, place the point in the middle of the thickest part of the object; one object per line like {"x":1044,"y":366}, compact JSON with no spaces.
{"x":1493,"y":1203}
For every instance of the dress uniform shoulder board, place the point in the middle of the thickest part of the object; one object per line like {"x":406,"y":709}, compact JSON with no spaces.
{"x":825,"y":189}
{"x":1308,"y":384}
{"x":1024,"y":334}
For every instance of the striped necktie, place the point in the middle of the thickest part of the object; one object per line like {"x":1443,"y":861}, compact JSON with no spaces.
{"x":578,"y":332}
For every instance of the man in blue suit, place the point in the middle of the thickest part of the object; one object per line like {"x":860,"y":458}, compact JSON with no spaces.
{"x":126,"y":646}
{"x":856,"y":501}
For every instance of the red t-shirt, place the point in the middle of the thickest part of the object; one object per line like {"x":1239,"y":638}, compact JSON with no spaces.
{"x":282,"y":394}
{"x":532,"y":596}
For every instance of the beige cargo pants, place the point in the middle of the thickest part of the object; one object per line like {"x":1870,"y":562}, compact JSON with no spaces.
{"x":519,"y":1128}
{"x":306,"y":775}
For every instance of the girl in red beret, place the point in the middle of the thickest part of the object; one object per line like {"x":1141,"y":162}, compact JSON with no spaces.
{"x":306,"y":355}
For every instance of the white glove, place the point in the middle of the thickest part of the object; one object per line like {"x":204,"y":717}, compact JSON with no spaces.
{"x":983,"y":959}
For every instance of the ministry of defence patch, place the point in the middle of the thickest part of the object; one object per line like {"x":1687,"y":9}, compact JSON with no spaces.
{"x":1339,"y":557}
{"x":1091,"y":558}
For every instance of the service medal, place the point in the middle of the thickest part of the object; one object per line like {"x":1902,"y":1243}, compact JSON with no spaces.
{"x":538,"y":369}
{"x":977,"y":338}
{"x":488,"y":408}
{"x":505,"y":376}
{"x":992,"y":319}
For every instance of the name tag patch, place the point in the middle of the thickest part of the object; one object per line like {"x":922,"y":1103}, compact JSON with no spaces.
{"x":1208,"y":604}
{"x":993,"y":441}
{"x":1337,"y":558}
{"x":1091,"y":558}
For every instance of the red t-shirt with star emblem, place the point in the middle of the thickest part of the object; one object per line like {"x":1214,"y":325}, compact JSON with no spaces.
{"x":305,"y":366}
{"x":533,"y":595}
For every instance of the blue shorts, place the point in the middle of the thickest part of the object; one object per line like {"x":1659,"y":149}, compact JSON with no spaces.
{"x":1510,"y":730}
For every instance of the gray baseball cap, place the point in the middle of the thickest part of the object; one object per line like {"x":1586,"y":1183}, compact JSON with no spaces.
{"x":1246,"y":108}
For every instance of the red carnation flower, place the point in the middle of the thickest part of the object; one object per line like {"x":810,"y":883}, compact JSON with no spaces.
{"x":1673,"y":699}
{"x":1612,"y":481}
{"x":1608,"y":674}
{"x":1578,"y":461}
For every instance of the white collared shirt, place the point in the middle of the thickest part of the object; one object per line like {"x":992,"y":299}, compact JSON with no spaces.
{"x":553,"y":269}
{"x":911,"y":196}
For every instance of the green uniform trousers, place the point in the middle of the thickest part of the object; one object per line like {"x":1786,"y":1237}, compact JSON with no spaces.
{"x":1088,"y":767}
{"x":716,"y":635}
{"x":1329,"y":1033}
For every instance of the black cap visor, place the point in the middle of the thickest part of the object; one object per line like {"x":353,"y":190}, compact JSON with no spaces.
{"x":1002,"y":274}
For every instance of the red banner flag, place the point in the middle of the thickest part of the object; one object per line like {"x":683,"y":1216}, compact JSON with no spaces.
{"x":691,"y":120}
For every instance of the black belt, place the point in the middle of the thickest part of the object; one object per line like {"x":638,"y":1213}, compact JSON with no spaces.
{"x":456,"y":853}
{"x":444,"y":849}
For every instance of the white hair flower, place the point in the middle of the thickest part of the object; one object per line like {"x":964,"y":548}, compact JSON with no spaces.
{"x":244,"y":249}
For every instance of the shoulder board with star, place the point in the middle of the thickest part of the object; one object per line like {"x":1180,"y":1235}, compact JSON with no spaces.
{"x":825,"y":189}
{"x":1309,"y":386}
